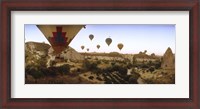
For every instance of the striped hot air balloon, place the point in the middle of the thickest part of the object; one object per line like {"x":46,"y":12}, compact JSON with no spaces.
{"x":60,"y":36}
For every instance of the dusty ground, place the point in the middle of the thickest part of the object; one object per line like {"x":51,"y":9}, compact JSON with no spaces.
{"x":159,"y":76}
{"x":94,"y":80}
{"x":66,"y":79}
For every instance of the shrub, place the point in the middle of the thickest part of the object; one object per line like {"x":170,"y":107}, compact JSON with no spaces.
{"x":64,"y":69}
{"x":52,"y":71}
{"x":98,"y":78}
{"x":98,"y":62}
{"x":132,"y":80}
{"x":108,"y":82}
{"x":144,"y":66}
{"x":122,"y":70}
{"x":91,"y":77}
{"x":126,"y":78}
{"x":106,"y":62}
{"x":157,"y":64}
{"x":29,"y":69}
{"x":112,"y":63}
{"x":44,"y":71}
{"x":52,"y":63}
{"x":36,"y":74}
{"x":151,"y":69}
{"x":89,"y":66}
{"x":98,"y":71}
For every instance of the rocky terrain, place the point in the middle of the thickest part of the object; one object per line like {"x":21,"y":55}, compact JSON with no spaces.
{"x":68,"y":55}
{"x":36,"y":53}
{"x":71,"y":67}
{"x":168,"y":60}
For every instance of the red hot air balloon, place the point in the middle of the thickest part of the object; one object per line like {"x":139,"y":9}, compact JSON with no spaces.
{"x":59,"y":36}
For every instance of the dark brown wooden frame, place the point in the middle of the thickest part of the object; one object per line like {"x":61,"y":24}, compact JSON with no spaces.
{"x":193,"y":102}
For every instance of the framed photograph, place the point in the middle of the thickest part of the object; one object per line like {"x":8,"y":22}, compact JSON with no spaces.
{"x":141,"y":54}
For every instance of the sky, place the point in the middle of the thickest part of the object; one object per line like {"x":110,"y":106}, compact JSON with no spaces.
{"x":155,"y":38}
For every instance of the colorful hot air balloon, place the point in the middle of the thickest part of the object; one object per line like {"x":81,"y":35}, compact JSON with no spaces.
{"x":91,"y":36}
{"x":88,"y":49}
{"x":82,"y":47}
{"x":98,"y":46}
{"x":59,"y":36}
{"x":108,"y":41}
{"x":120,"y":46}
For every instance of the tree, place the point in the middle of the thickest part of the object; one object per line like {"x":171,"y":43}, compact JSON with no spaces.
{"x":133,"y":80}
{"x":134,"y":60}
{"x":91,"y":77}
{"x":151,"y":69}
{"x":150,"y":63}
{"x":89,"y":66}
{"x":64,"y":69}
{"x":145,"y":51}
{"x":153,"y":55}
{"x":36,"y":73}
{"x":112,"y":63}
{"x":157,"y":64}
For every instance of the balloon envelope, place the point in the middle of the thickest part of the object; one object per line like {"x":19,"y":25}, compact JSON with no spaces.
{"x":91,"y":36}
{"x":88,"y":49}
{"x":98,"y":46}
{"x":108,"y":41}
{"x":59,"y":36}
{"x":82,"y":47}
{"x":120,"y":46}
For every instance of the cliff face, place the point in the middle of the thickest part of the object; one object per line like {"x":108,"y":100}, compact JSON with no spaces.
{"x":68,"y":55}
{"x":36,"y":53}
{"x":41,"y":54}
{"x":168,"y":60}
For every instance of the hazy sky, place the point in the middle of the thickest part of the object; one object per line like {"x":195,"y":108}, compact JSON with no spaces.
{"x":135,"y":38}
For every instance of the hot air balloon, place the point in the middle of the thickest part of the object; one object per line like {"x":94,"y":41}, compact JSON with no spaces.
{"x":91,"y":36}
{"x":82,"y":47}
{"x":59,"y":36}
{"x":88,"y":49}
{"x":98,"y":46}
{"x":120,"y":46}
{"x":108,"y":41}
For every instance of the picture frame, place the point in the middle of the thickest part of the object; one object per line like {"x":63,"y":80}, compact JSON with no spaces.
{"x":105,"y":5}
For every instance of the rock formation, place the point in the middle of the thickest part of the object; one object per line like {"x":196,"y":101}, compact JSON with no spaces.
{"x":168,"y":60}
{"x":41,"y":53}
{"x":68,"y":55}
{"x":36,"y":53}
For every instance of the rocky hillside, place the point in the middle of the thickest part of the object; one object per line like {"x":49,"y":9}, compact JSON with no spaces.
{"x":68,"y":55}
{"x":36,"y":53}
{"x":41,"y":54}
